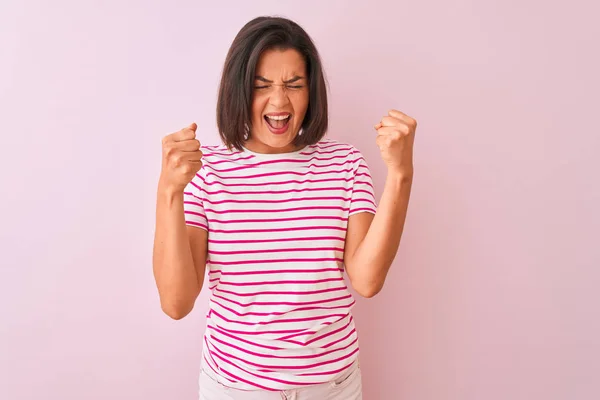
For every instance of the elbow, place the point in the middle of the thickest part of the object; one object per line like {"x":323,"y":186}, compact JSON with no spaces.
{"x":177,"y":303}
{"x":367,"y":285}
{"x":368,"y":291}
{"x":176,"y":311}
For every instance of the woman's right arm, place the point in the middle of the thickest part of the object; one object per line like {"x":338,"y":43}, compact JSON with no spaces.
{"x":179,"y":256}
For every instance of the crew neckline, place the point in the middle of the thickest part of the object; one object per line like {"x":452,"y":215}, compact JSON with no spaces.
{"x":271,"y":156}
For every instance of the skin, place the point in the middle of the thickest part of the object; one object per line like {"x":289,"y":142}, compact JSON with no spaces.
{"x":180,"y":251}
{"x":372,"y":241}
{"x":281,"y":86}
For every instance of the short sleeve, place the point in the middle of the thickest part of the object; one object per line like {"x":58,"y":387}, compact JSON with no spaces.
{"x":193,"y":201}
{"x":363,"y":193}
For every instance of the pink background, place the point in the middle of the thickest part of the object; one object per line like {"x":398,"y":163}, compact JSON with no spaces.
{"x":494,"y":292}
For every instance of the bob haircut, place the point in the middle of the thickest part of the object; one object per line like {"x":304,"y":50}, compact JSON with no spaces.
{"x":234,"y":104}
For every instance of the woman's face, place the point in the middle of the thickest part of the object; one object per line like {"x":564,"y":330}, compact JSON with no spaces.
{"x":279,"y":101}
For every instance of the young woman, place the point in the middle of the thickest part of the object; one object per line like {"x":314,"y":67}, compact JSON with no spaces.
{"x":274,"y":217}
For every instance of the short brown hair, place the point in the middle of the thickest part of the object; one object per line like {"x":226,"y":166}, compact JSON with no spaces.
{"x":234,"y":105}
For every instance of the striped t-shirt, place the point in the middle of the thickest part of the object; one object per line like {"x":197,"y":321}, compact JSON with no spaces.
{"x":279,"y":309}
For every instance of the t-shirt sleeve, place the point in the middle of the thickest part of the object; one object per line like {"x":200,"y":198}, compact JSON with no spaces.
{"x":193,"y":201}
{"x":363,"y":193}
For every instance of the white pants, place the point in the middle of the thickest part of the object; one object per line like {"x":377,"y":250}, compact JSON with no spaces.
{"x":348,"y":387}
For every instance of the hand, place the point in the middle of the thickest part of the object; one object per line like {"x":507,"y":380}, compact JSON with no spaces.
{"x":395,"y":138}
{"x":181,"y":159}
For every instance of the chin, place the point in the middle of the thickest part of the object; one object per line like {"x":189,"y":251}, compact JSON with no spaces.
{"x":279,"y":140}
{"x":276,"y":141}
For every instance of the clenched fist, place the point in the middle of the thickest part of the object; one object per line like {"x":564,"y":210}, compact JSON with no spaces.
{"x":395,"y":138}
{"x":181,"y":159}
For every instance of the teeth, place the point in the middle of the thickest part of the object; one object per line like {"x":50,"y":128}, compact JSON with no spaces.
{"x":278,"y":117}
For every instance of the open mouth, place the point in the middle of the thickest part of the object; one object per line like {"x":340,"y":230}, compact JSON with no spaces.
{"x":278,"y":123}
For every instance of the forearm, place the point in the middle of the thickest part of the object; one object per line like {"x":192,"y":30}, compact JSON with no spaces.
{"x":375,"y":254}
{"x":174,"y":271}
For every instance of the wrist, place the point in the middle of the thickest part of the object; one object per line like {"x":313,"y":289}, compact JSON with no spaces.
{"x":168,"y":191}
{"x":401,"y":175}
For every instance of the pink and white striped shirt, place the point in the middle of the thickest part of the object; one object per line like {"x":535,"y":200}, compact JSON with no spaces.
{"x":279,"y":310}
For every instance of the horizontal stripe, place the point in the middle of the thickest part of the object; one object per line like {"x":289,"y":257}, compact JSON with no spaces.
{"x":287,"y":191}
{"x":286,"y":357}
{"x":271,"y":174}
{"x":344,"y":149}
{"x":249,"y":382}
{"x":241,"y":339}
{"x":276,"y":271}
{"x":296,"y":282}
{"x":262,"y":220}
{"x":247,"y":167}
{"x":229,"y":160}
{"x":268,"y":378}
{"x":263,"y":314}
{"x":303,"y":249}
{"x":263,"y":201}
{"x":291,"y":293}
{"x":352,"y":332}
{"x":295,"y":334}
{"x":292,"y":367}
{"x":282,"y":303}
{"x":367,"y":209}
{"x":306,"y":162}
{"x":329,"y":372}
{"x":313,"y":157}
{"x":283,"y":260}
{"x":277,"y":183}
{"x":197,"y":224}
{"x":261,"y":333}
{"x":277,"y":321}
{"x":304,"y":228}
{"x":312,"y":208}
{"x":315,"y":238}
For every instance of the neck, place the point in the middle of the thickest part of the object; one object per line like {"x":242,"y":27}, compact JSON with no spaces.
{"x":259,"y":147}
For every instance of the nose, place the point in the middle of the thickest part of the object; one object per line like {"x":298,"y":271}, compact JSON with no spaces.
{"x":279,"y":97}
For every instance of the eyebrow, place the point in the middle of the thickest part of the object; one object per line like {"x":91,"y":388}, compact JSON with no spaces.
{"x":294,"y":79}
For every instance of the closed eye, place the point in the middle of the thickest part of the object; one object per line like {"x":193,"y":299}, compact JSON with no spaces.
{"x":286,"y":86}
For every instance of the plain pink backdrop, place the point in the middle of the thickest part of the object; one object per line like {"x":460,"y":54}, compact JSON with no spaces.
{"x":494,"y":292}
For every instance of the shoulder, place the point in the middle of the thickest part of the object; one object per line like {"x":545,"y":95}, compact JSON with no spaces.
{"x":340,"y":150}
{"x":213,"y":156}
{"x":333,"y":146}
{"x":217,"y":152}
{"x":220,"y":156}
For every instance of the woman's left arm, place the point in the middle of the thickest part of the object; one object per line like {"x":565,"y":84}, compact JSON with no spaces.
{"x":372,"y":241}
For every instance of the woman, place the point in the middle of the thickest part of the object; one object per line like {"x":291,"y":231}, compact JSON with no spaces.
{"x":274,"y":217}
